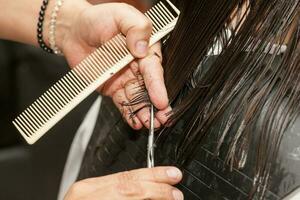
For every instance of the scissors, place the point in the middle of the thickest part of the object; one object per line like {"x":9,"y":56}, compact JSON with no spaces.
{"x":150,"y":149}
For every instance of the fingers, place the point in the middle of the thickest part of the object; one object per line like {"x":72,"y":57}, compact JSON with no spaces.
{"x":129,"y":82}
{"x":152,"y":72}
{"x":135,"y":92}
{"x":119,"y":98}
{"x":149,"y":183}
{"x":144,"y":116}
{"x":161,"y":192}
{"x":118,"y":81}
{"x":164,"y":115}
{"x":137,"y":28}
{"x":167,"y":175}
{"x":147,"y":190}
{"x":132,"y":190}
{"x":156,"y":49}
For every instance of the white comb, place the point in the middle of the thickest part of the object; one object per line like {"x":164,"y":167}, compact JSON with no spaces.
{"x":88,"y":75}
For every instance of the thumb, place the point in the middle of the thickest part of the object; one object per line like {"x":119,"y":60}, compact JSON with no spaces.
{"x":135,"y":26}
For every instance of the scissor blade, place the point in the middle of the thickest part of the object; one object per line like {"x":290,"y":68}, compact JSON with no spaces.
{"x":150,"y":154}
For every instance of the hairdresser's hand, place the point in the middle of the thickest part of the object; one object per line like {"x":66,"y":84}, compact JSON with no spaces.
{"x":90,"y":26}
{"x":154,"y":184}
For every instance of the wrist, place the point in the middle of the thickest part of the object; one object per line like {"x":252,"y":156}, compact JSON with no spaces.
{"x":68,"y":11}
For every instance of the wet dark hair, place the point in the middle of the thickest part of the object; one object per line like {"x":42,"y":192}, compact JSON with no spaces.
{"x":247,"y":96}
{"x":267,"y":94}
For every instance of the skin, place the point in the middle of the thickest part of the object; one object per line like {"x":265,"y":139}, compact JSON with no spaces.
{"x":154,"y":184}
{"x":111,"y":19}
{"x":81,"y":27}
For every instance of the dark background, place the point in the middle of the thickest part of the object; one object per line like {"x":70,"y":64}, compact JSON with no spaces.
{"x":31,"y":172}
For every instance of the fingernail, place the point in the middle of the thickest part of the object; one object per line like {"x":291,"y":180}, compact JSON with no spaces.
{"x":141,"y":47}
{"x":174,"y":173}
{"x":177,"y":195}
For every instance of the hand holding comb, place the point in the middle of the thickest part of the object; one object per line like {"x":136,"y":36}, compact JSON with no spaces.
{"x":88,"y":75}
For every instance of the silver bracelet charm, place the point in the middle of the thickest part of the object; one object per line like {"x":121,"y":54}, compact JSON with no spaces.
{"x":52,"y":27}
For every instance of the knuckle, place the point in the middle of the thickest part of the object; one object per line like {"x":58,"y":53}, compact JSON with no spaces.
{"x":154,"y":174}
{"x":166,"y":191}
{"x":144,"y":24}
{"x":124,"y":177}
{"x":128,"y":186}
{"x":130,"y":190}
{"x":151,"y":60}
{"x":152,"y":81}
{"x":145,"y":62}
{"x":130,"y":85}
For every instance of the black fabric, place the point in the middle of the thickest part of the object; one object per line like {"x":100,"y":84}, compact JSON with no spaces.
{"x":115,"y":147}
{"x":25,"y":73}
{"x":32,"y":172}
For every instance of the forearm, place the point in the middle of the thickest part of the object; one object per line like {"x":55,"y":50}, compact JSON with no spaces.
{"x":18,"y":20}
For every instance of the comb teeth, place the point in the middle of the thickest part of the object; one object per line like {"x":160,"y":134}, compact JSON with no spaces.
{"x":87,"y":76}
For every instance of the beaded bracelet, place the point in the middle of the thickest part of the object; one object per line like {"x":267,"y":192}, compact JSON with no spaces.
{"x":40,"y":27}
{"x":52,"y":27}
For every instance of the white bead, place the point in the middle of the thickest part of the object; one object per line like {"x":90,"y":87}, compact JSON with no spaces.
{"x":52,"y":26}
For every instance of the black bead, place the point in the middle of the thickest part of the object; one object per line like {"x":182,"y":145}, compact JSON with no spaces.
{"x":40,"y":27}
{"x":40,"y":30}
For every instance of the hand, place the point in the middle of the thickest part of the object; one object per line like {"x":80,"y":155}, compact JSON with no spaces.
{"x":84,"y":27}
{"x":155,"y":184}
